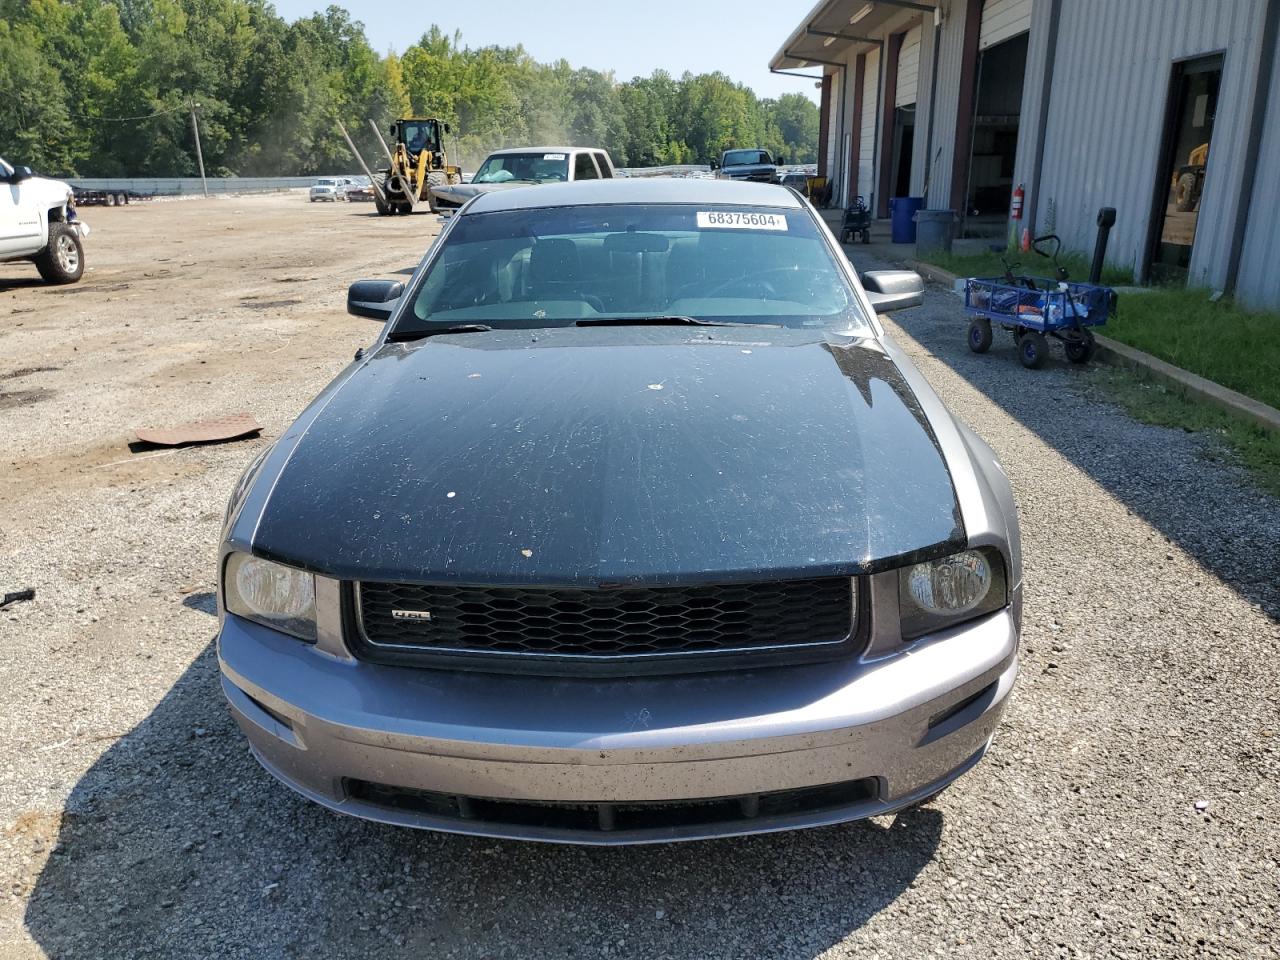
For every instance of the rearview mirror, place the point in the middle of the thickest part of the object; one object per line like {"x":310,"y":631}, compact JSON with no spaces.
{"x":374,"y":299}
{"x":890,"y":290}
{"x":637,"y":242}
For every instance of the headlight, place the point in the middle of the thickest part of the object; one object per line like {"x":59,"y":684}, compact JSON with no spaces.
{"x":271,"y":594}
{"x":941,"y":593}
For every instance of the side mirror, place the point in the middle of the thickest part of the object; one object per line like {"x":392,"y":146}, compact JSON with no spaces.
{"x":447,"y":129}
{"x":715,"y":164}
{"x":20,"y":174}
{"x":890,"y":290}
{"x":392,"y":129}
{"x":374,"y":299}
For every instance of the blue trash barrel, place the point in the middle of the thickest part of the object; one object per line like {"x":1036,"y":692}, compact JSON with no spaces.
{"x":902,"y":210}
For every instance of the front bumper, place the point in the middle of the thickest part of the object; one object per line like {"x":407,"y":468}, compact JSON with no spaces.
{"x":906,"y":724}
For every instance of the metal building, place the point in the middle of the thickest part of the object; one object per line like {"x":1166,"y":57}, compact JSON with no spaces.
{"x":1167,"y":110}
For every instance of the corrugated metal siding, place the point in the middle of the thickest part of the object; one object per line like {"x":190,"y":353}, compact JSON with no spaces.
{"x":920,"y":158}
{"x":1112,"y":72}
{"x":1258,"y":283}
{"x":833,"y":123}
{"x":866,"y":156}
{"x":1033,"y":89}
{"x":908,"y":69}
{"x":1002,"y":20}
{"x":950,"y":52}
{"x":847,"y":122}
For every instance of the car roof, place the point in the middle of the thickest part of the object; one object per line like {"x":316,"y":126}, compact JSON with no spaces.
{"x":636,"y":190}
{"x":505,"y":150}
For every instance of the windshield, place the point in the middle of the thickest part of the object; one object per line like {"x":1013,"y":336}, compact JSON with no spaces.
{"x":528,"y":167}
{"x":736,"y":158}
{"x":555,"y":266}
{"x":419,"y":135}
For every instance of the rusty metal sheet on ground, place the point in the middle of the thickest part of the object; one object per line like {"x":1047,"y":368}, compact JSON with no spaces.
{"x":232,"y":427}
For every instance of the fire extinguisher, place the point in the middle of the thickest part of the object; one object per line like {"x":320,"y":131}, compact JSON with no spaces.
{"x":1015,"y":210}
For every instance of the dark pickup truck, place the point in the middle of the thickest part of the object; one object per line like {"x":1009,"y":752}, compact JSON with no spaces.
{"x":752,"y":164}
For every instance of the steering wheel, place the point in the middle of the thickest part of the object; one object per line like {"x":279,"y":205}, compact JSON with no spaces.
{"x":759,"y":281}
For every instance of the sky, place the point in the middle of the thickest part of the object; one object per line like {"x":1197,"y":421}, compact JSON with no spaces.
{"x":629,"y":37}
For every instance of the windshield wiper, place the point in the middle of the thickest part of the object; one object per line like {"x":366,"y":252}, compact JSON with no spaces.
{"x":671,"y":320}
{"x":435,"y":331}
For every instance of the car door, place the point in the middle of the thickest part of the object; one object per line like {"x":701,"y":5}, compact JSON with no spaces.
{"x":20,"y":223}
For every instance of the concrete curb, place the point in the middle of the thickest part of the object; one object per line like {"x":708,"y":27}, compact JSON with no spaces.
{"x":1184,"y":381}
{"x":930,"y":272}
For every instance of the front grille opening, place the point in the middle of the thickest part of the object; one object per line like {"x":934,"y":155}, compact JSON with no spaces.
{"x":611,"y":817}
{"x":610,"y":623}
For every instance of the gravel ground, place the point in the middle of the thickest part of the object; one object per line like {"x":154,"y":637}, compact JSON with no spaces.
{"x":1127,"y":808}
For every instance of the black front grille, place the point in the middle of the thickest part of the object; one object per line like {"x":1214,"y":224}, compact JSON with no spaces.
{"x":671,"y":817}
{"x":606,"y":624}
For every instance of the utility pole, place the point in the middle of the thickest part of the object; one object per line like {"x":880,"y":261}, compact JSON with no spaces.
{"x":195,"y":128}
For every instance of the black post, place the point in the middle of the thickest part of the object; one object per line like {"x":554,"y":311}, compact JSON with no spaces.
{"x":1106,"y":220}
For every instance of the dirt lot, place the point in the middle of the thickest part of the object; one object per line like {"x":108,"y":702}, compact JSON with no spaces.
{"x":134,"y":824}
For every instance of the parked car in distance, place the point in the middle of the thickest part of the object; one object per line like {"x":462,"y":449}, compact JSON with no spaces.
{"x":523,"y":166}
{"x":632,"y":525}
{"x":755,"y":165}
{"x":329,"y":188}
{"x":38,"y":222}
{"x":359,"y":189}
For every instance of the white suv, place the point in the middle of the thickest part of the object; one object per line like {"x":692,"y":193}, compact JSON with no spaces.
{"x":38,"y":222}
{"x":330,"y":188}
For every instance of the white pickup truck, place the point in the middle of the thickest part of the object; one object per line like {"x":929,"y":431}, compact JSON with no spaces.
{"x":38,"y":223}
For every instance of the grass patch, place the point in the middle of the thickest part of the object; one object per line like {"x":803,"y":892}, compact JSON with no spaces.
{"x":1219,"y":341}
{"x":1255,"y":449}
{"x":989,"y":264}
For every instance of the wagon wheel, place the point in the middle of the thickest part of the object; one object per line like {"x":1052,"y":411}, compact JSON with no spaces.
{"x":979,"y":334}
{"x":1080,"y":346}
{"x":1033,"y":350}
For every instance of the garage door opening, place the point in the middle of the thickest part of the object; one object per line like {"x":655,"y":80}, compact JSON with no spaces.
{"x":1193,"y":104}
{"x":904,"y":138}
{"x":998,"y":105}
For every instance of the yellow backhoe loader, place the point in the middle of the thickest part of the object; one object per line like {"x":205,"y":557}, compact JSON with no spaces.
{"x":416,"y":163}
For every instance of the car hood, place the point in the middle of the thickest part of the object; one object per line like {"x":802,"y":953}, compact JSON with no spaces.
{"x":614,"y":455}
{"x":462,"y":192}
{"x":749,"y":170}
{"x":44,"y":190}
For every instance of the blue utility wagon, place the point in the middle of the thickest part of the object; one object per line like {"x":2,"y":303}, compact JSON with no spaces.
{"x":1036,"y":308}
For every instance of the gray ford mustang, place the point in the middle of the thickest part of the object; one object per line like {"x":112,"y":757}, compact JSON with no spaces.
{"x":633,"y":525}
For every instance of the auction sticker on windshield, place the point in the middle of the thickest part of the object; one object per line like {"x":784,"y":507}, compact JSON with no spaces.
{"x":553,"y":156}
{"x":738,"y":220}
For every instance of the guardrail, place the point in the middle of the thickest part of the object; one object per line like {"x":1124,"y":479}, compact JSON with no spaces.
{"x":185,"y":186}
{"x":669,"y":171}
